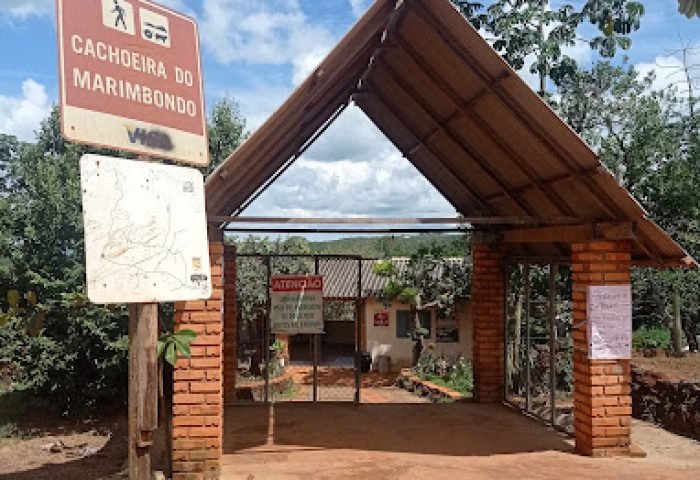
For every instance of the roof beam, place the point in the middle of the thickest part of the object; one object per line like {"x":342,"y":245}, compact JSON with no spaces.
{"x":367,"y":231}
{"x":397,"y":221}
{"x":552,"y":144}
{"x":571,"y":233}
{"x":464,"y":108}
{"x":447,"y":130}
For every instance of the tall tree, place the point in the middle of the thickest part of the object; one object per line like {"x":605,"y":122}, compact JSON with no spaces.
{"x":649,"y":139}
{"x":226,"y":128}
{"x":531,"y":31}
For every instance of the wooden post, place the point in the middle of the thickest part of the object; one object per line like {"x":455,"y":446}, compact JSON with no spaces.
{"x":677,"y":327}
{"x":143,"y":387}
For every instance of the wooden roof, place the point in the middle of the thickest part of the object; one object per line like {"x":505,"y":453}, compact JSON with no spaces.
{"x":469,"y":124}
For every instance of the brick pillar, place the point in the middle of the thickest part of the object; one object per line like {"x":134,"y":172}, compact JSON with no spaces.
{"x":602,"y":401}
{"x":197,"y":392}
{"x":488,"y":293}
{"x":230,"y":324}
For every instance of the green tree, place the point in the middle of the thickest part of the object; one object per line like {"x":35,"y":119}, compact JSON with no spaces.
{"x":226,"y":128}
{"x":524,"y":29}
{"x":75,"y":352}
{"x":79,"y":358}
{"x":649,"y":139}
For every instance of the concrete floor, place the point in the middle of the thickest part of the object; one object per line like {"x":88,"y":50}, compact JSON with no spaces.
{"x":435,"y":441}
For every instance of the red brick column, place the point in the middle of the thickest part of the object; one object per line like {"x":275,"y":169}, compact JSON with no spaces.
{"x":197,"y":393}
{"x":602,"y":401}
{"x":488,"y":293}
{"x":230,"y":324}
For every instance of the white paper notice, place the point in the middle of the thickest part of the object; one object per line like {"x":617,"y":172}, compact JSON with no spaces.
{"x":610,"y":322}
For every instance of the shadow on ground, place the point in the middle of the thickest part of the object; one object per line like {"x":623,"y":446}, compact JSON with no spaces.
{"x":436,"y":429}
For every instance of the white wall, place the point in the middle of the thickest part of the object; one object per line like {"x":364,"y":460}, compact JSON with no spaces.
{"x":383,"y":340}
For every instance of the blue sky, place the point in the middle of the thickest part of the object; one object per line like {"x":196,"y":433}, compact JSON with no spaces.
{"x":257,"y":51}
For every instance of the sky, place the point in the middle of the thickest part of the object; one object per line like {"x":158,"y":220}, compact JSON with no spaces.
{"x":258,"y":51}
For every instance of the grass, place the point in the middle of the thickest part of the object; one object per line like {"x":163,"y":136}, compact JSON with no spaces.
{"x":464,"y":387}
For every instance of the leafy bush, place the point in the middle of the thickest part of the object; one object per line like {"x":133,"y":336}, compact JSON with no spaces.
{"x":652,"y":337}
{"x":78,"y":362}
{"x":456,"y":374}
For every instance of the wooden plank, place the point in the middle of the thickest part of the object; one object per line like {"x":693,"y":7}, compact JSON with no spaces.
{"x":552,"y":144}
{"x":143,"y":387}
{"x":445,"y":129}
{"x":570,"y":233}
{"x":398,"y":221}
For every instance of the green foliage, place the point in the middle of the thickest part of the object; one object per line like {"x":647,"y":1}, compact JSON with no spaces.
{"x":689,"y":8}
{"x":649,"y":139}
{"x":226,"y":129}
{"x":456,"y":374}
{"x":75,"y":355}
{"x":395,"y":246}
{"x":430,"y":280}
{"x":652,"y":337}
{"x":524,"y":29}
{"x":170,"y":344}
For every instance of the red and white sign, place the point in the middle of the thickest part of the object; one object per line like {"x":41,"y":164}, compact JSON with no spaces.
{"x":290,"y":284}
{"x":296,"y":304}
{"x":130,"y":78}
{"x":381,"y":319}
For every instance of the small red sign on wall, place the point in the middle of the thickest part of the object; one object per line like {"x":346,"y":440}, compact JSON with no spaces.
{"x":381,"y":319}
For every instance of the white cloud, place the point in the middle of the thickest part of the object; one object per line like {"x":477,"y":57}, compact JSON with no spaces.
{"x":385,"y":186}
{"x":21,"y":116}
{"x":276,"y":32}
{"x":352,"y":137}
{"x":26,"y":8}
{"x":359,"y":6}
{"x":669,"y":70}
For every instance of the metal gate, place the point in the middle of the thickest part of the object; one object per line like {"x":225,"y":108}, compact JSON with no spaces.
{"x":539,"y":344}
{"x":274,"y":368}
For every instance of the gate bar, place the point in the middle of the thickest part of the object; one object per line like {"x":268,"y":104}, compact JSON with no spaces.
{"x":553,"y":309}
{"x":358,"y":332}
{"x":266,"y":329}
{"x":528,"y":389}
{"x":314,"y":339}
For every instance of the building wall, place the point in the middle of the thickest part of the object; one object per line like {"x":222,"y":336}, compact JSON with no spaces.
{"x":383,"y":340}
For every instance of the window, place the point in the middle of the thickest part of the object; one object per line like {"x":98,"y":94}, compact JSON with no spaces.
{"x":405,"y":323}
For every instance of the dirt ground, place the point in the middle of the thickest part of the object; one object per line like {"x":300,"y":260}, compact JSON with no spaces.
{"x":337,"y":441}
{"x":443,"y":441}
{"x":60,"y":449}
{"x":685,"y":368}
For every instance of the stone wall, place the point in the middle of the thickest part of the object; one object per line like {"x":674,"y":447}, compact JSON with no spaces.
{"x":675,"y":405}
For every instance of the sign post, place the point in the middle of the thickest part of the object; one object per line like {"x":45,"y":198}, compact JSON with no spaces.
{"x":130,"y":79}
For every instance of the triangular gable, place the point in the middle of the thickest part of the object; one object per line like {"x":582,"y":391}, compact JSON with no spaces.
{"x":465,"y":119}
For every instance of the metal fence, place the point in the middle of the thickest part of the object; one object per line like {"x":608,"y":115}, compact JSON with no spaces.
{"x":539,"y":345}
{"x":274,"y":368}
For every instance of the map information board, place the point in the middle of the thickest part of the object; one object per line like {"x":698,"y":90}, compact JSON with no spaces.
{"x":145,"y":231}
{"x":296,"y":304}
{"x":610,"y":322}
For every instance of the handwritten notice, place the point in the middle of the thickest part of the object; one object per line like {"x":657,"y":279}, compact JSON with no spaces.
{"x":610,"y":322}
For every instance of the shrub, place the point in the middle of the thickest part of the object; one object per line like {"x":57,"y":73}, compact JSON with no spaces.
{"x":456,"y":374}
{"x":652,"y":337}
{"x":79,"y":360}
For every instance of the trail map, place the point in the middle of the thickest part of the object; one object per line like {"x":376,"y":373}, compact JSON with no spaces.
{"x":145,"y":231}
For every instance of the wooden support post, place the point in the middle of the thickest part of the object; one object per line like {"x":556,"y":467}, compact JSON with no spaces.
{"x":143,"y":387}
{"x":677,"y":327}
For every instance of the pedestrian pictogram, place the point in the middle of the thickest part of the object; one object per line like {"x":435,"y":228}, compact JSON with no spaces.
{"x":118,"y":15}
